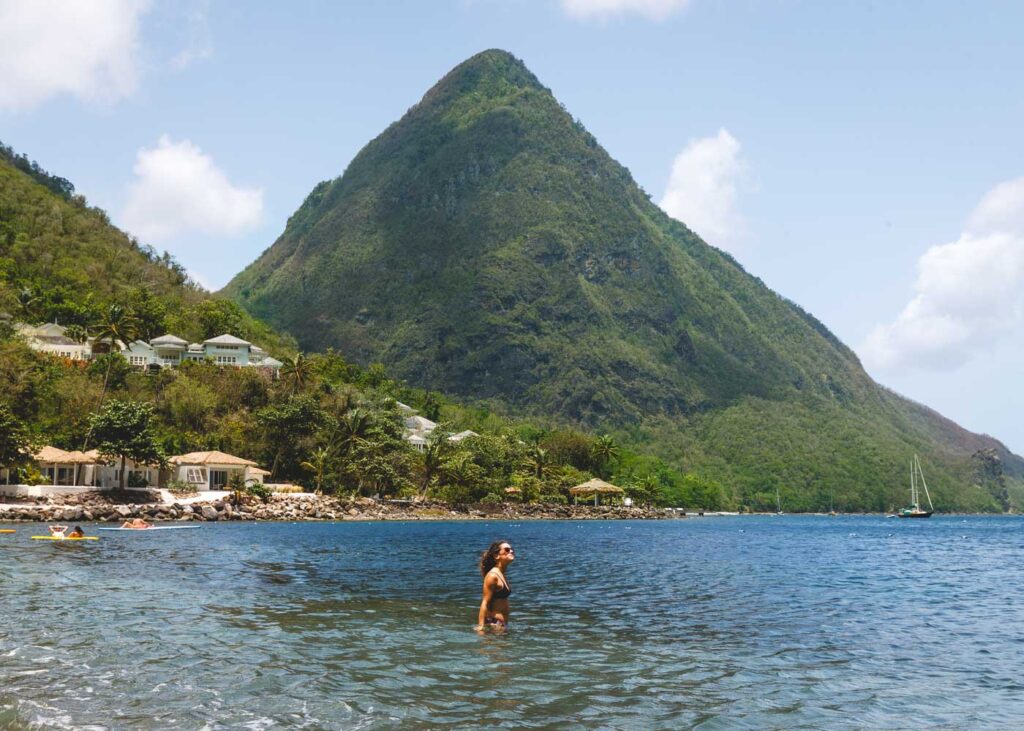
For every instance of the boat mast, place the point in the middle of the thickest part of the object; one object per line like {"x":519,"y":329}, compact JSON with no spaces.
{"x":913,"y":484}
{"x":927,"y":494}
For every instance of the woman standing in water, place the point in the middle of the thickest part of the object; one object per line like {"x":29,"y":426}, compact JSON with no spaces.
{"x":494,"y":607}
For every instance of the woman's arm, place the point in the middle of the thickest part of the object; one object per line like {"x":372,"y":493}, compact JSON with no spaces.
{"x":485,"y":602}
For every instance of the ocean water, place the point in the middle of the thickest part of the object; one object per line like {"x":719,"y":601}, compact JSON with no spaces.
{"x":715,"y":623}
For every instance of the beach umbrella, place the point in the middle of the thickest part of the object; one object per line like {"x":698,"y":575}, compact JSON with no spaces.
{"x":595,"y":487}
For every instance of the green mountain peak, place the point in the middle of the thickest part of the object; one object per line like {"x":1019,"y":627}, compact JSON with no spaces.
{"x":490,"y":73}
{"x":486,"y":245}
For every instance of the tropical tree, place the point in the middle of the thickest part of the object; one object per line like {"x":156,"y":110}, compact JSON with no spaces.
{"x":150,"y":312}
{"x":352,"y":429}
{"x":431,"y":406}
{"x":123,"y":431}
{"x":297,"y":373}
{"x":27,"y":301}
{"x":605,"y":451}
{"x":462,"y":479}
{"x":77,"y":333}
{"x":537,"y":461}
{"x":377,"y":459}
{"x":644,"y":490}
{"x":432,"y":458}
{"x":216,"y":316}
{"x":702,"y":492}
{"x":288,"y":429}
{"x":117,"y":324}
{"x":318,"y":463}
{"x":14,"y":441}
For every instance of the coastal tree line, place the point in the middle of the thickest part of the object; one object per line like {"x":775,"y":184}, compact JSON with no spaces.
{"x":326,"y":424}
{"x":61,"y":260}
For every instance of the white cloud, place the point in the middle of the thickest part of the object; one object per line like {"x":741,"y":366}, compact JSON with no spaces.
{"x":702,"y":188}
{"x":604,"y":9}
{"x":1001,"y":209}
{"x":969,"y":294}
{"x":51,"y":47}
{"x":199,"y":46}
{"x":178,"y":188}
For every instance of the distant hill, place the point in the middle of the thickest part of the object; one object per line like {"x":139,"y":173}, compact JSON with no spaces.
{"x":487,"y":246}
{"x":62,"y":260}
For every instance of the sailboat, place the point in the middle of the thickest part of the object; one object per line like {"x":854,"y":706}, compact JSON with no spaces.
{"x":914,"y":510}
{"x":778,"y":502}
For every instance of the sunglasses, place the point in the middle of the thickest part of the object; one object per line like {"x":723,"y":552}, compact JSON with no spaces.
{"x":507,"y":549}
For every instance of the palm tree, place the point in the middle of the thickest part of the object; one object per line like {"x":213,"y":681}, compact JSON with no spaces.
{"x":297,"y":372}
{"x":118,"y":324}
{"x":459,"y":470}
{"x":317,"y":464}
{"x":537,"y":461}
{"x":605,"y":451}
{"x":644,"y":489}
{"x":435,"y":451}
{"x":27,"y":301}
{"x":77,"y":333}
{"x":352,"y":429}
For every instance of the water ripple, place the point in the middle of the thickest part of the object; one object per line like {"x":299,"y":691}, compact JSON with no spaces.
{"x":747,"y":623}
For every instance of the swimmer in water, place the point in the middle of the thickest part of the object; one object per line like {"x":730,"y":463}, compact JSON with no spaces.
{"x":57,"y":531}
{"x":494,"y":608}
{"x":77,"y":532}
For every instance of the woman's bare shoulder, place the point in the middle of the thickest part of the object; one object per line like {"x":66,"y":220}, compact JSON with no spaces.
{"x":493,"y":576}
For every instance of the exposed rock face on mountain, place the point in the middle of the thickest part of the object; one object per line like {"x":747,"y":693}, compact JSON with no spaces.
{"x":486,"y":245}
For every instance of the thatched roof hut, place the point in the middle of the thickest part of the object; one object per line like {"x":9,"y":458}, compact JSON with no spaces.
{"x":595,"y":487}
{"x":57,"y":463}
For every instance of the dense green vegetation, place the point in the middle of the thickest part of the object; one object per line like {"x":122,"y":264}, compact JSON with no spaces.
{"x":486,"y":246}
{"x":326,"y":423}
{"x":123,"y":430}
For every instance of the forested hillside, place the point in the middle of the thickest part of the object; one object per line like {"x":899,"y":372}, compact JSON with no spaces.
{"x":327,"y":424}
{"x":62,"y":260}
{"x":485,"y":245}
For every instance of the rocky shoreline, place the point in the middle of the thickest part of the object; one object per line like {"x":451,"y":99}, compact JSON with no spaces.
{"x":116,"y":507}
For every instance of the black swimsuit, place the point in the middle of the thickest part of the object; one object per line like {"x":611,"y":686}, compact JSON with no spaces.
{"x":503,"y":593}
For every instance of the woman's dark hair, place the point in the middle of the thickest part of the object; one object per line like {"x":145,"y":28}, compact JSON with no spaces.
{"x":489,"y":557}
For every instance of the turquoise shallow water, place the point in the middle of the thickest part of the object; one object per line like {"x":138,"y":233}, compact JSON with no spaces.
{"x":720,"y":623}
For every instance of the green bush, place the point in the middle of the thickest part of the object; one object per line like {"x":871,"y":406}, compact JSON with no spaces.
{"x":180,"y":487}
{"x":491,"y":499}
{"x":259,"y":490}
{"x":135,"y":480}
{"x":32,"y":476}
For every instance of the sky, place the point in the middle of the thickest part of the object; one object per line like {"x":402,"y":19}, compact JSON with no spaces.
{"x":864,"y":159}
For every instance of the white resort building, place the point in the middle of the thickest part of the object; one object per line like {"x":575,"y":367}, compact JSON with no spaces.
{"x":213,"y":470}
{"x":50,"y":338}
{"x":166,"y":351}
{"x":419,"y":428}
{"x":204,"y":471}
